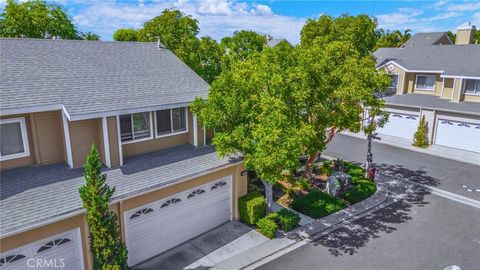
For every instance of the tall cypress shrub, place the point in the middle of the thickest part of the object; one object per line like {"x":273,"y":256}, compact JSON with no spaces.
{"x":420,"y":139}
{"x":109,"y":252}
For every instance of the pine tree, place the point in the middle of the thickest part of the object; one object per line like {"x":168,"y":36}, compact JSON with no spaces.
{"x":109,"y":252}
{"x":420,"y":138}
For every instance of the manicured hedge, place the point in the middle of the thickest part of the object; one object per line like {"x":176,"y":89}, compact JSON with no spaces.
{"x":267,"y":226}
{"x":251,"y":207}
{"x":317,"y":204}
{"x":362,"y":190}
{"x":287,"y":220}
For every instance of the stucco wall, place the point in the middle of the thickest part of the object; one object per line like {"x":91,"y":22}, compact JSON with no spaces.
{"x":447,"y":89}
{"x":83,"y":134}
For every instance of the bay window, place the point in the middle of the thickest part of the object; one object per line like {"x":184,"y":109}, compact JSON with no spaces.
{"x":135,"y":126}
{"x":171,"y":121}
{"x":425,"y":82}
{"x":14,"y":139}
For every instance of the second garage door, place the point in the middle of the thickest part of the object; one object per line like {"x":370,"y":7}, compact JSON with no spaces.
{"x":461,"y":135}
{"x":159,"y":226}
{"x":400,"y":125}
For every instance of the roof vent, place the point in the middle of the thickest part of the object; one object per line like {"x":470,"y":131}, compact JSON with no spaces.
{"x":160,"y":44}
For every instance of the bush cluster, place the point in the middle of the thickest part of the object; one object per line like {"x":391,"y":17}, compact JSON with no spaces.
{"x":267,"y":226}
{"x":362,"y":190}
{"x":283,"y":219}
{"x":317,"y":204}
{"x":251,"y":207}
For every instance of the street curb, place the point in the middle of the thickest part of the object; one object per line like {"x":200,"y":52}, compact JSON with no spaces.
{"x":414,"y":149}
{"x":303,"y":237}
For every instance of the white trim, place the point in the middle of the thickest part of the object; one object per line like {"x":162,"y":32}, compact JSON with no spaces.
{"x":119,"y":136}
{"x":81,"y":210}
{"x":443,"y":88}
{"x":410,"y":70}
{"x":23,"y":130}
{"x":195,"y":130}
{"x":460,"y":89}
{"x":106,"y":142}
{"x":68,"y":145}
{"x":453,"y":90}
{"x":171,"y":125}
{"x":31,"y":109}
{"x":230,"y":180}
{"x":462,"y":77}
{"x":425,"y":89}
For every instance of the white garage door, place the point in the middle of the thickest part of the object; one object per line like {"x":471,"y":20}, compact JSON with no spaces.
{"x":460,"y":135}
{"x":63,"y":251}
{"x":159,"y":226}
{"x":400,"y":125}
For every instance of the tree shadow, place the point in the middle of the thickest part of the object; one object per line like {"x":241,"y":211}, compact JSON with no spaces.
{"x":353,"y":236}
{"x":417,"y":176}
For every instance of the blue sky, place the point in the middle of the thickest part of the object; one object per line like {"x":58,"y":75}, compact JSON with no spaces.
{"x":281,"y":19}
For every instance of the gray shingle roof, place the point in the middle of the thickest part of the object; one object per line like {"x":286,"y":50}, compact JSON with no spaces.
{"x":430,"y":101}
{"x":275,"y":41}
{"x":37,"y":194}
{"x":454,"y":60}
{"x":93,"y":77}
{"x":424,"y":39}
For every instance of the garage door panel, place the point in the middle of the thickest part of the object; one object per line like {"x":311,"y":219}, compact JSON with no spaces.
{"x":177,"y":219}
{"x":400,"y":125}
{"x":456,"y":134}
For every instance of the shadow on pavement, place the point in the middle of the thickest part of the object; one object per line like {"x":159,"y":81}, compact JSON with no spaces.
{"x":417,"y":176}
{"x":351,"y":237}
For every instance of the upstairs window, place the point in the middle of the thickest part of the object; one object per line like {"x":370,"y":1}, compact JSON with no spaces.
{"x":472,"y":87}
{"x":394,"y":83}
{"x":135,"y":126}
{"x":425,"y":82}
{"x":171,"y":121}
{"x":14,"y":139}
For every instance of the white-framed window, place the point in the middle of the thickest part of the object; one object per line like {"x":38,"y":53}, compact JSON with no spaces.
{"x":135,"y":127}
{"x":14,"y":139}
{"x":472,"y":87}
{"x":394,"y":83}
{"x":171,"y":121}
{"x":425,"y":82}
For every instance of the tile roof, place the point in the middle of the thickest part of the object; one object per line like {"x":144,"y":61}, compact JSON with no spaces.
{"x":453,"y":60}
{"x":430,"y":101}
{"x":38,"y":194}
{"x":88,"y":77}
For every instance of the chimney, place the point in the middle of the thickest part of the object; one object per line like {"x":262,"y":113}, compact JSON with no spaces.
{"x":465,"y":34}
{"x":268,"y":37}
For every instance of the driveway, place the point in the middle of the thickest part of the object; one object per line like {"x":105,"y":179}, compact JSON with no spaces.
{"x":208,"y":249}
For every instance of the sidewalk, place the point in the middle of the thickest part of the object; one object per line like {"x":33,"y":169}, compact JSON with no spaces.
{"x":306,"y":233}
{"x":434,"y":150}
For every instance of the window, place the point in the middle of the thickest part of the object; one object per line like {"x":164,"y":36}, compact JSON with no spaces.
{"x":195,"y":193}
{"x":54,"y":243}
{"x":135,"y":126}
{"x":425,"y":82}
{"x":141,"y":212}
{"x":171,"y":121}
{"x":170,"y":202}
{"x":217,"y":185}
{"x":472,"y":87}
{"x":11,"y":259}
{"x":14,"y":139}
{"x":394,"y":83}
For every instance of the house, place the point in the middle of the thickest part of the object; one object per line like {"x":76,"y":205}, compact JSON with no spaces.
{"x":132,"y":101}
{"x":435,"y":78}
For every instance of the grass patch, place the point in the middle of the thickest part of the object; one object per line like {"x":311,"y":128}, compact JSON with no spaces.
{"x":317,"y":204}
{"x":362,"y":190}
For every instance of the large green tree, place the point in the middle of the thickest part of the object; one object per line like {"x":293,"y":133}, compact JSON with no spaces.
{"x":207,"y":60}
{"x":90,"y":36}
{"x":359,"y":31}
{"x":108,"y":250}
{"x":241,"y":45}
{"x":125,"y":34}
{"x":36,"y":19}
{"x":177,"y":31}
{"x":392,"y":39}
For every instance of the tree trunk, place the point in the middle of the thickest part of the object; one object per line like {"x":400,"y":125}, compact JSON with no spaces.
{"x":311,"y":159}
{"x":268,"y":195}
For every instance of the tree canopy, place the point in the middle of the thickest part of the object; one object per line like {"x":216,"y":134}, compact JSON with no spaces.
{"x":392,"y":39}
{"x":242,"y":44}
{"x":125,"y":34}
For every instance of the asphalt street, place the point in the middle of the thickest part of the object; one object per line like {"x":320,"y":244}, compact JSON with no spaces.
{"x":419,"y":231}
{"x":449,"y":175}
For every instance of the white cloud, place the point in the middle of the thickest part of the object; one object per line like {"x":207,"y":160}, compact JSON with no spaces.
{"x":443,"y":16}
{"x":469,"y":6}
{"x":476,"y":20}
{"x":401,"y":17}
{"x":217,"y":18}
{"x":440,"y":3}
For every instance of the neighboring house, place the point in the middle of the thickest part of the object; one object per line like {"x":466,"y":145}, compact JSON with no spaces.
{"x":131,"y":100}
{"x":439,"y":80}
{"x":272,"y":42}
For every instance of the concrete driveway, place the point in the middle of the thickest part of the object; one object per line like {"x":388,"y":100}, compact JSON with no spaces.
{"x":208,"y":249}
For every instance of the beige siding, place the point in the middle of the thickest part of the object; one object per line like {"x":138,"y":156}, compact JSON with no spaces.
{"x":447,"y":89}
{"x":83,"y":134}
{"x":49,"y":134}
{"x":410,"y":82}
{"x":113,"y":141}
{"x":457,"y":90}
{"x":23,"y":161}
{"x":437,"y":88}
{"x":396,"y":70}
{"x":471,"y":98}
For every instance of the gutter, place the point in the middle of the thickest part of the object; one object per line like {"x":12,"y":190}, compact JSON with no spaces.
{"x":432,"y":108}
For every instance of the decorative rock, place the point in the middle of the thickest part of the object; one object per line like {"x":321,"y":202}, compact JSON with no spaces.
{"x":338,"y":182}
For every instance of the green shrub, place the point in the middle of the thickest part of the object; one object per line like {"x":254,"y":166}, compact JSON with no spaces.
{"x":267,"y":226}
{"x":362,"y":190}
{"x":326,"y":168}
{"x":420,"y":138}
{"x":287,"y":219}
{"x":317,"y":204}
{"x":303,"y":184}
{"x":251,"y":207}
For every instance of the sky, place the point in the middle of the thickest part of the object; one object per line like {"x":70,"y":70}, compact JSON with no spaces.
{"x":279,"y":18}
